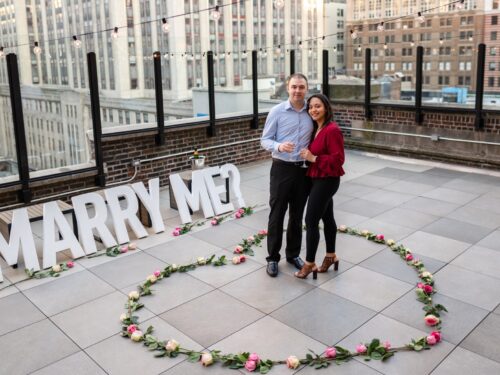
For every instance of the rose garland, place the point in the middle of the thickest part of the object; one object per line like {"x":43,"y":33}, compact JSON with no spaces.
{"x":56,"y":269}
{"x":375,"y":349}
{"x":245,"y":246}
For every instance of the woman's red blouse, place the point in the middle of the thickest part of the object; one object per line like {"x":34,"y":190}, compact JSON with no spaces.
{"x":328,"y":146}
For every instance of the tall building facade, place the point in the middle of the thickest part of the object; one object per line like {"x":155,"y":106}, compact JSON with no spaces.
{"x":335,"y":25}
{"x":492,"y":40}
{"x":449,"y":36}
{"x":55,"y":81}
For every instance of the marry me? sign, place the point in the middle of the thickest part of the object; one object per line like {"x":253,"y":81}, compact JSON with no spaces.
{"x":122,"y":204}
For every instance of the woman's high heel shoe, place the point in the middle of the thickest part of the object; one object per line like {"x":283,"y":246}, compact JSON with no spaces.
{"x":327,"y":262}
{"x":306,"y":270}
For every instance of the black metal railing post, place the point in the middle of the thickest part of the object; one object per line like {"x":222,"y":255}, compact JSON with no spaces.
{"x":481,"y":61}
{"x":292,"y":61}
{"x":211,"y":93}
{"x":419,"y":116}
{"x":368,"y":91}
{"x":255,"y":91}
{"x":96,"y":118}
{"x":326,"y":85}
{"x":19,"y":131}
{"x":160,"y":114}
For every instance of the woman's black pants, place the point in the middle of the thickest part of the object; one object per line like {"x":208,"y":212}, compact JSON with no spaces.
{"x":320,"y":207}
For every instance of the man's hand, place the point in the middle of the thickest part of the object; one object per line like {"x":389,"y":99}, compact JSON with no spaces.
{"x":286,"y":147}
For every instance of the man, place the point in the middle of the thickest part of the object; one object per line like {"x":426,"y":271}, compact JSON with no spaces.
{"x":287,"y":130}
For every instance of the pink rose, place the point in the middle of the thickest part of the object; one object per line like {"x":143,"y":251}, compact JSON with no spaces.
{"x":254,"y":357}
{"x":238,"y":250}
{"x":263,"y":232}
{"x":157,"y":273}
{"x":131,"y":328}
{"x":420,"y":286}
{"x":214,"y":222}
{"x":176,"y":232}
{"x":242,"y":258}
{"x":361,"y":349}
{"x":206,"y":359}
{"x":431,"y":320}
{"x":431,"y":340}
{"x":379,"y":237}
{"x":292,"y":362}
{"x":409,"y":257}
{"x":236,"y":260}
{"x":428,"y":289}
{"x":237,"y":215}
{"x":124,"y":249}
{"x":70,"y":264}
{"x":437,"y":335}
{"x":330,"y":352}
{"x":387,"y":345}
{"x":241,"y":211}
{"x":250,"y":365}
{"x":251,"y":238}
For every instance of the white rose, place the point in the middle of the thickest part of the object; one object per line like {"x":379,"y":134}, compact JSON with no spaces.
{"x":152,"y":279}
{"x":174,"y":267}
{"x":123,"y":317}
{"x":132,"y":246}
{"x":201,"y":261}
{"x":56,"y":268}
{"x":133,"y":295}
{"x":236,"y":260}
{"x":172,"y":345}
{"x":206,"y":359}
{"x":136,"y":336}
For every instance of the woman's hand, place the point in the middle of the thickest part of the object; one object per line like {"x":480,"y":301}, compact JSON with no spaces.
{"x":307,"y":155}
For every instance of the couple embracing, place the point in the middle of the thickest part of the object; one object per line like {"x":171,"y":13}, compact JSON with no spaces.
{"x":308,"y":153}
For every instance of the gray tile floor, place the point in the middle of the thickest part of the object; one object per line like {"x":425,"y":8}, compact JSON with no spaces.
{"x":448,"y":216}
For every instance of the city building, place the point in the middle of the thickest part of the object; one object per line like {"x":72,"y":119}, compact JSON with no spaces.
{"x":52,"y":38}
{"x":448,"y":33}
{"x":335,"y":16}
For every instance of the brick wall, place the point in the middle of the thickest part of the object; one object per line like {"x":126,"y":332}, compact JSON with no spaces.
{"x":120,"y":149}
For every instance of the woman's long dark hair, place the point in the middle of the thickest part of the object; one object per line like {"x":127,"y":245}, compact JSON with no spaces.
{"x":328,"y":111}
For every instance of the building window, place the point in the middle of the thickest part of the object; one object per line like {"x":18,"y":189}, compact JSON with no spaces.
{"x":494,"y":20}
{"x":492,"y":66}
{"x":491,"y":81}
{"x":493,"y":35}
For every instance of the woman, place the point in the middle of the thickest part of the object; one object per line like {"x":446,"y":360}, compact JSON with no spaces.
{"x":326,"y":157}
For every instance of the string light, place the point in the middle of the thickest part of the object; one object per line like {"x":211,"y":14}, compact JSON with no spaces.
{"x":278,"y":50}
{"x":310,"y":51}
{"x":385,"y":46}
{"x":359,"y":47}
{"x":354,"y":34}
{"x":441,"y":41}
{"x":36,"y":49}
{"x":471,"y":38}
{"x":420,"y":17}
{"x":2,"y":54}
{"x":76,"y":42}
{"x":380,"y":27}
{"x":279,"y":4}
{"x":244,"y":54}
{"x":165,"y":26}
{"x":114,"y":34}
{"x":166,"y":56}
{"x":460,"y":5}
{"x":216,"y":13}
{"x":412,"y":43}
{"x":405,"y":27}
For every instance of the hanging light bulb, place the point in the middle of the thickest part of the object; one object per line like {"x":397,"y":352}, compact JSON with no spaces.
{"x":244,"y":54}
{"x":412,"y":43}
{"x":36,"y":49}
{"x":441,"y":41}
{"x":222,"y":55}
{"x":471,"y":38}
{"x":405,"y":27}
{"x":385,"y":46}
{"x":354,"y":34}
{"x":165,"y":26}
{"x":279,"y":4}
{"x":300,"y":44}
{"x":2,"y":54}
{"x":310,"y":51}
{"x":460,"y":4}
{"x":334,"y":49}
{"x":166,"y":56}
{"x":359,"y":47}
{"x":264,"y":54}
{"x":114,"y":34}
{"x":420,"y":17}
{"x":278,"y":50}
{"x":77,"y":42}
{"x":380,"y":27}
{"x":216,"y":13}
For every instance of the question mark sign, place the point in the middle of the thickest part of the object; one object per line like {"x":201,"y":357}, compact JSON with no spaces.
{"x":227,"y":169}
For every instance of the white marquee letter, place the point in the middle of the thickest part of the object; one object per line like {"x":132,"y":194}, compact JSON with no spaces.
{"x":214,"y":191}
{"x":151,"y":202}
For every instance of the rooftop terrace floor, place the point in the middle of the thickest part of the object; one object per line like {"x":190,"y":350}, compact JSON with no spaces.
{"x":448,"y":216}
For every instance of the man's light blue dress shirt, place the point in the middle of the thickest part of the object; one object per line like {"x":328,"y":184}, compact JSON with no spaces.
{"x":285,"y":124}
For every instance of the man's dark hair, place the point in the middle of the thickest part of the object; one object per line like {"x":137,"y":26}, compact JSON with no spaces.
{"x":296,"y":75}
